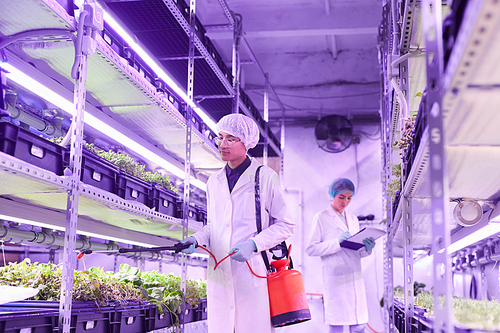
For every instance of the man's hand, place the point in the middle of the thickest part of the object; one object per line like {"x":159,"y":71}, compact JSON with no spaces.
{"x":192,"y":242}
{"x":243,"y":251}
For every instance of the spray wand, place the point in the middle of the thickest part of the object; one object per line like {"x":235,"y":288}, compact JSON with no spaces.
{"x":176,"y":248}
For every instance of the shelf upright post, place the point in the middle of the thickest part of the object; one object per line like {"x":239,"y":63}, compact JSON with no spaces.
{"x":236,"y":71}
{"x":409,"y":296}
{"x":408,"y":262}
{"x":384,"y":47}
{"x":282,"y":148}
{"x":75,"y":164}
{"x":187,"y":165}
{"x":432,"y":26}
{"x":266,"y":118}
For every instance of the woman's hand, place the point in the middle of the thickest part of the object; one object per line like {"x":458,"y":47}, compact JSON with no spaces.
{"x":344,"y":236}
{"x":369,"y":243}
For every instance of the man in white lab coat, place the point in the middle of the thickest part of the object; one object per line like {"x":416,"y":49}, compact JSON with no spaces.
{"x":344,"y":289}
{"x":238,"y":301}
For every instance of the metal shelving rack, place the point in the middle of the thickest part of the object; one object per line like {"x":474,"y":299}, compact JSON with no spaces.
{"x":109,"y":65}
{"x":116,"y":93}
{"x":458,"y":149}
{"x":42,"y":198}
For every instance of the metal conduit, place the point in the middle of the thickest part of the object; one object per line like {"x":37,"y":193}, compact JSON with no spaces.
{"x":10,"y":248}
{"x":47,"y":239}
{"x":480,"y":257}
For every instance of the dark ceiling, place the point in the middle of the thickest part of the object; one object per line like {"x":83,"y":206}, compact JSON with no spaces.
{"x":320,"y":56}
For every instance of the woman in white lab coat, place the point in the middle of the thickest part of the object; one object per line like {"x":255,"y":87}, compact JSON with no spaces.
{"x":344,"y":289}
{"x":238,"y":301}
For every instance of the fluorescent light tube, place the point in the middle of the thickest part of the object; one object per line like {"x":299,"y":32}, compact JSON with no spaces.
{"x":487,"y":231}
{"x":157,"y":68}
{"x":48,"y":94}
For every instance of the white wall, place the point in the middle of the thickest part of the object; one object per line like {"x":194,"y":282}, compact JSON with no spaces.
{"x":308,"y":172}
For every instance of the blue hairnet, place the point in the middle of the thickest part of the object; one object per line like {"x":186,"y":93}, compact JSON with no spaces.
{"x":341,"y":185}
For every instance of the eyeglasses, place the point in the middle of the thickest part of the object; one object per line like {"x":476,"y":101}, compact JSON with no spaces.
{"x":229,"y":142}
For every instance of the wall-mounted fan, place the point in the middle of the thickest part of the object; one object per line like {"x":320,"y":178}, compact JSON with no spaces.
{"x":333,"y":133}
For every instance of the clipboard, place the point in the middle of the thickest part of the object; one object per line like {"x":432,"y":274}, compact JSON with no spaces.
{"x":355,"y":242}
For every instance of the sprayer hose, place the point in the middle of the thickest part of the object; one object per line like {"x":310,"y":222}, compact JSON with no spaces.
{"x":248,"y":264}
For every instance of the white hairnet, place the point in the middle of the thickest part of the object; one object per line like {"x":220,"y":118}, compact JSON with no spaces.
{"x":241,"y":127}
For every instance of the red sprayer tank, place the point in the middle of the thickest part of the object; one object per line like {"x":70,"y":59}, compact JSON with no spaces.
{"x":287,"y":297}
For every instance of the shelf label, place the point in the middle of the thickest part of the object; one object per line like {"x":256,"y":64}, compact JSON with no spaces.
{"x":96,"y":175}
{"x":37,"y":151}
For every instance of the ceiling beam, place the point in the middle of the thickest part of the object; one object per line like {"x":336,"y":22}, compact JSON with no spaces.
{"x":218,"y":34}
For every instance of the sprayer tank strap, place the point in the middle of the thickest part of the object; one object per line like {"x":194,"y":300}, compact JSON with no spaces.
{"x":258,"y":217}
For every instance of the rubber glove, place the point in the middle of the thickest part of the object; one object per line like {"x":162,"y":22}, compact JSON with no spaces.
{"x":369,"y":243}
{"x":193,"y":244}
{"x":344,"y":236}
{"x":243,"y":250}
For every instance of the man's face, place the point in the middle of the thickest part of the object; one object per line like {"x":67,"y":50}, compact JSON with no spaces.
{"x":231,"y":148}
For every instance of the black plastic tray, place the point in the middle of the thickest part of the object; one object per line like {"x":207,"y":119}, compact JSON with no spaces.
{"x":133,"y":188}
{"x":96,"y":171}
{"x":202,"y":214}
{"x":163,"y":200}
{"x":39,"y":320}
{"x":132,"y":318}
{"x":188,"y":314}
{"x":160,"y":320}
{"x":201,"y":310}
{"x":193,"y":211}
{"x":29,"y":147}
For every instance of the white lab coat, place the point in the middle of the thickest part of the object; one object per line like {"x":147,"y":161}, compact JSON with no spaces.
{"x":237,"y":300}
{"x":344,"y":289}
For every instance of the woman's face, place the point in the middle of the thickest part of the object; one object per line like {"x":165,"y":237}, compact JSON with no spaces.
{"x":340,"y":201}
